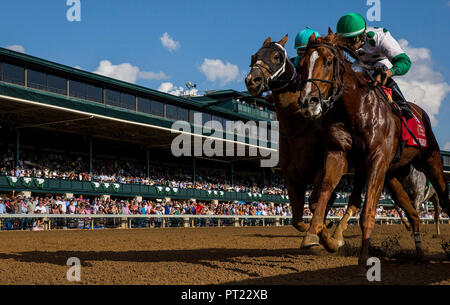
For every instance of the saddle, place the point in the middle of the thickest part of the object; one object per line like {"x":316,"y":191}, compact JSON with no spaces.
{"x":413,"y":132}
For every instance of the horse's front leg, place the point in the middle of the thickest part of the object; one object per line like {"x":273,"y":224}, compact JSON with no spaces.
{"x":297,"y":200}
{"x":354,"y":204}
{"x":376,"y":171}
{"x":335,"y":167}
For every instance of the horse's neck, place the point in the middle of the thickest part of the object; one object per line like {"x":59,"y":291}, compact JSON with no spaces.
{"x":356,"y":99}
{"x":288,"y":113}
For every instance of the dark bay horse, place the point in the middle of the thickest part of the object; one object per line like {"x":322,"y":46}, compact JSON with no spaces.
{"x":355,"y":118}
{"x":301,"y":147}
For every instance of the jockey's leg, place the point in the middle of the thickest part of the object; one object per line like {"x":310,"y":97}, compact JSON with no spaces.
{"x":398,"y":97}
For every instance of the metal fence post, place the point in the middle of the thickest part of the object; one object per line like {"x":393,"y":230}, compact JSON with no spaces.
{"x":186,"y":222}
{"x":236,"y":222}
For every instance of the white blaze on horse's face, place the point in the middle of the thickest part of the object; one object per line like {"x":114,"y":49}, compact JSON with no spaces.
{"x":311,"y":104}
{"x":312,"y":63}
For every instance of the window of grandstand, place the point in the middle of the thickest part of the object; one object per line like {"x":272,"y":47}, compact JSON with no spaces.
{"x":183,"y":114}
{"x":446,"y":160}
{"x":157,"y":108}
{"x":56,"y":84}
{"x":128,"y":101}
{"x":143,"y":105}
{"x":191,"y":115}
{"x":13,"y":74}
{"x":220,"y":120}
{"x":94,"y":93}
{"x":171,"y":112}
{"x":112,"y":97}
{"x":77,"y":89}
{"x":36,"y":79}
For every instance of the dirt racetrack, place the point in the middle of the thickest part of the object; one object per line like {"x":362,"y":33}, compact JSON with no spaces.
{"x":226,"y":255}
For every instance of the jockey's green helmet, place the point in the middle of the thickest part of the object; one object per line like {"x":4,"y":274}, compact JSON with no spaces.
{"x":351,"y":25}
{"x":302,"y":38}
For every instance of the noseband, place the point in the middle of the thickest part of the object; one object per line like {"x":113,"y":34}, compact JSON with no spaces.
{"x":338,"y":74}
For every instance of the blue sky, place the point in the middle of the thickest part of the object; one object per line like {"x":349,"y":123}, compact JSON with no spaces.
{"x":212,"y":40}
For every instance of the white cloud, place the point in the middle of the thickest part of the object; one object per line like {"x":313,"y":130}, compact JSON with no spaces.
{"x":127,"y":72}
{"x":422,"y":85}
{"x":17,"y":48}
{"x":170,"y":88}
{"x":169,"y":43}
{"x":447,"y":146}
{"x":216,"y":70}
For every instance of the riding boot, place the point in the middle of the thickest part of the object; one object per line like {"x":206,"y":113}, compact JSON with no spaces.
{"x":398,"y":97}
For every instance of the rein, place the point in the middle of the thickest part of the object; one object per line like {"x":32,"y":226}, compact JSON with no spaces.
{"x":338,"y":74}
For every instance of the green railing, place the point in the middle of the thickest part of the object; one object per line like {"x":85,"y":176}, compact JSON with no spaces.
{"x":60,"y":186}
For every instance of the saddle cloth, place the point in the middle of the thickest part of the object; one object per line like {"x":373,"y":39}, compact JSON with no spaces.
{"x":414,"y":124}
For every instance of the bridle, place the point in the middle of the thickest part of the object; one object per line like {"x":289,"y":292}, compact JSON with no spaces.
{"x":273,"y":82}
{"x":336,"y":90}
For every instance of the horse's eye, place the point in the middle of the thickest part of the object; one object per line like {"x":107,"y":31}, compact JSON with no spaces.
{"x":329,"y":62}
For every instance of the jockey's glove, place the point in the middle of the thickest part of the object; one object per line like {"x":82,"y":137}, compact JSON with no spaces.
{"x":382,"y":77}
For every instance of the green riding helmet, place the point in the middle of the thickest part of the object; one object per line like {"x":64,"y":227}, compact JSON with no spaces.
{"x":351,"y":25}
{"x":302,"y":38}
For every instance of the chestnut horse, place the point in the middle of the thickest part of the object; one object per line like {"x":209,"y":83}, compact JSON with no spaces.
{"x":356,"y":118}
{"x":301,"y":147}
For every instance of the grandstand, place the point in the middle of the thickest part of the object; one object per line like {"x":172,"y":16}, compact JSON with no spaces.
{"x":104,"y":137}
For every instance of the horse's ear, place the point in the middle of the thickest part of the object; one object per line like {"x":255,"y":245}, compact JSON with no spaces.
{"x":268,"y":40}
{"x":283,"y":41}
{"x":330,"y":32}
{"x":312,"y":39}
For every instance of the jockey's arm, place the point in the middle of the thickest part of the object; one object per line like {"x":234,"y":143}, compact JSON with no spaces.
{"x":401,"y":63}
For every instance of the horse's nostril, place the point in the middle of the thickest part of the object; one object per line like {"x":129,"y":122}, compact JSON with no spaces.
{"x":314,"y":100}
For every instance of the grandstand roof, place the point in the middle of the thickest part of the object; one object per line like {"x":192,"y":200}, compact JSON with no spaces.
{"x":24,"y":104}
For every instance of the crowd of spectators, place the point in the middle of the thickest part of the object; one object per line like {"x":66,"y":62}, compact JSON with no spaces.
{"x":97,"y":205}
{"x":106,"y":206}
{"x":69,"y":167}
{"x":80,"y":205}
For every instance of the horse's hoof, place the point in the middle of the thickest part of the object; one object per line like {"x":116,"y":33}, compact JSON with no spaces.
{"x":309,"y":241}
{"x":330,"y":244}
{"x":340,"y":243}
{"x":436,"y":236}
